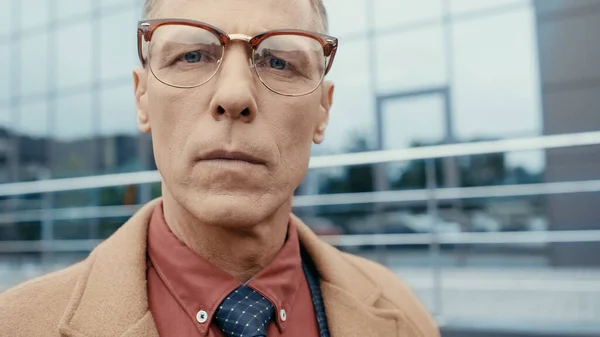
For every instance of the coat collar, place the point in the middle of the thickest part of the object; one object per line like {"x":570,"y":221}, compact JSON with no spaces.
{"x":110,"y":298}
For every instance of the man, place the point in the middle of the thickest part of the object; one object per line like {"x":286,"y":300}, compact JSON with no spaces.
{"x":233,"y":113}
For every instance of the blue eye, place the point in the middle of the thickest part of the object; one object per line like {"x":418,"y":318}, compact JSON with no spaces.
{"x":278,"y":64}
{"x":192,"y":57}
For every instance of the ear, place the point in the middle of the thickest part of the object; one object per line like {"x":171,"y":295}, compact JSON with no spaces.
{"x":323,"y":118}
{"x":140,"y":78}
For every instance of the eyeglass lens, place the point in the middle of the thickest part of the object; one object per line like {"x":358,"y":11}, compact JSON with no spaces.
{"x":188,"y":56}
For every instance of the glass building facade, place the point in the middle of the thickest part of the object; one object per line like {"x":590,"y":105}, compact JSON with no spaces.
{"x":408,"y":74}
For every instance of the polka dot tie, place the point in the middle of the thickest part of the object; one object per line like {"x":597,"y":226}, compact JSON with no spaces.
{"x":244,"y":313}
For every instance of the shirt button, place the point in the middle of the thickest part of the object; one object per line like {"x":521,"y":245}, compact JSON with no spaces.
{"x":202,"y":316}
{"x":282,"y":315}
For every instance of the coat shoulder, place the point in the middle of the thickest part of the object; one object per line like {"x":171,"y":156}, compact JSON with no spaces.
{"x":35,"y":307}
{"x":396,"y":294}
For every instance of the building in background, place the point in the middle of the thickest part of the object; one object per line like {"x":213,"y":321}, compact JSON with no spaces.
{"x":569,"y":54}
{"x":408,"y":73}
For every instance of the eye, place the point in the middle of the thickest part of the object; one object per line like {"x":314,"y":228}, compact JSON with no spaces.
{"x":191,"y":57}
{"x":278,"y":64}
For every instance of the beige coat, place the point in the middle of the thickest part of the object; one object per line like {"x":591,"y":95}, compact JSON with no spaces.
{"x":105,"y":295}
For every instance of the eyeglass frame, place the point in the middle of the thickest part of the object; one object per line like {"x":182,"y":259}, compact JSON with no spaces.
{"x":146,"y":29}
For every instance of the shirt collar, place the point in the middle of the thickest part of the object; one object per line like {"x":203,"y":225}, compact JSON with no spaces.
{"x":197,"y":284}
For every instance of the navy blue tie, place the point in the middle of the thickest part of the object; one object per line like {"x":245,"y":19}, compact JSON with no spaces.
{"x":244,"y":313}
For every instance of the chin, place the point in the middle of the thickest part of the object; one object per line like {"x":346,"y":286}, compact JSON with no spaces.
{"x":239,"y":211}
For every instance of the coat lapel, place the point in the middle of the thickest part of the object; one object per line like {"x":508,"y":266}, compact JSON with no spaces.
{"x":110,"y":298}
{"x":349,"y":295}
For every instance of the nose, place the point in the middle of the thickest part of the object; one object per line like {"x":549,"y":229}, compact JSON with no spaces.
{"x":235,"y":94}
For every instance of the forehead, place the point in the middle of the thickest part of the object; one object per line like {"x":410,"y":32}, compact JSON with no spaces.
{"x":242,"y":16}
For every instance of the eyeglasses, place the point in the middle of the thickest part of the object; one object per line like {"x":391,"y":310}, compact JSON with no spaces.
{"x":186,"y":54}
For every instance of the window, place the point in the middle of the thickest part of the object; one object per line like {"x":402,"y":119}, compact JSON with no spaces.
{"x":34,"y":13}
{"x":33,"y":64}
{"x":118,"y":50}
{"x":73,"y":52}
{"x":73,"y":117}
{"x":496,"y":85}
{"x":394,"y":13}
{"x":6,"y":24}
{"x":70,"y":8}
{"x":5,"y":73}
{"x":118,"y":111}
{"x":115,"y":3}
{"x":352,"y":113}
{"x":32,"y":129}
{"x":470,"y":6}
{"x":347,"y":17}
{"x":411,"y":60}
{"x":4,"y":119}
{"x":73,"y":136}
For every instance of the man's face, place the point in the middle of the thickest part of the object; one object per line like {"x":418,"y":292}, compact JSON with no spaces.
{"x":232,"y":113}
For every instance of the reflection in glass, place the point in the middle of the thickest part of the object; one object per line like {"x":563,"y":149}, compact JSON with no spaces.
{"x":6,"y":25}
{"x":496,"y":84}
{"x":119,"y":135}
{"x":352,"y":116}
{"x":33,"y":63}
{"x":73,"y":136}
{"x":339,"y":25}
{"x":74,"y":55}
{"x":34,"y":13}
{"x":469,"y":6}
{"x":118,"y":55}
{"x":395,"y":13}
{"x":5,"y":147}
{"x":69,"y":8}
{"x":5,"y":72}
{"x":411,"y":60}
{"x":32,"y":136}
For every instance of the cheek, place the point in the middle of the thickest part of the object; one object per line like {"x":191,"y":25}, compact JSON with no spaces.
{"x":294,"y":132}
{"x":172,"y":115}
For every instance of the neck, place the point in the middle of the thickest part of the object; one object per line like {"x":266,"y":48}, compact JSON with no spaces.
{"x":240,"y":252}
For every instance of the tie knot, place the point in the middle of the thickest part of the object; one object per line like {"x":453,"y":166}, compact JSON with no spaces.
{"x":244,"y":313}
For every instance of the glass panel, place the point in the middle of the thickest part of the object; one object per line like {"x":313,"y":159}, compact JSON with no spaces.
{"x":496,"y":77}
{"x":33,"y":60}
{"x":394,"y":13}
{"x":73,"y":146}
{"x":411,"y":60}
{"x":119,"y":130}
{"x":74,"y":55}
{"x":545,"y":6}
{"x":34,"y":13}
{"x":33,"y":141}
{"x":421,"y":119}
{"x":351,"y":115}
{"x":5,"y":72}
{"x":340,"y":11}
{"x":6,"y":25}
{"x":70,"y":8}
{"x":118,"y":51}
{"x":116,"y":3}
{"x":4,"y":144}
{"x":468,"y":6}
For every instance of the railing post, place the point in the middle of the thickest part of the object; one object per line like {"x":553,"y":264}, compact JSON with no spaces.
{"x":434,"y":247}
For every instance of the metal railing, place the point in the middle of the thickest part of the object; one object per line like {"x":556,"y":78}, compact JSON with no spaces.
{"x":374,"y":157}
{"x":430,"y":195}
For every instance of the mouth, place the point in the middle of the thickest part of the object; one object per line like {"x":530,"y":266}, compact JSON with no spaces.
{"x":231,"y":156}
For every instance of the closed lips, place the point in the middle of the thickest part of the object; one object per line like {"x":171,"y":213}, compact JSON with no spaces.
{"x":232,"y":155}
